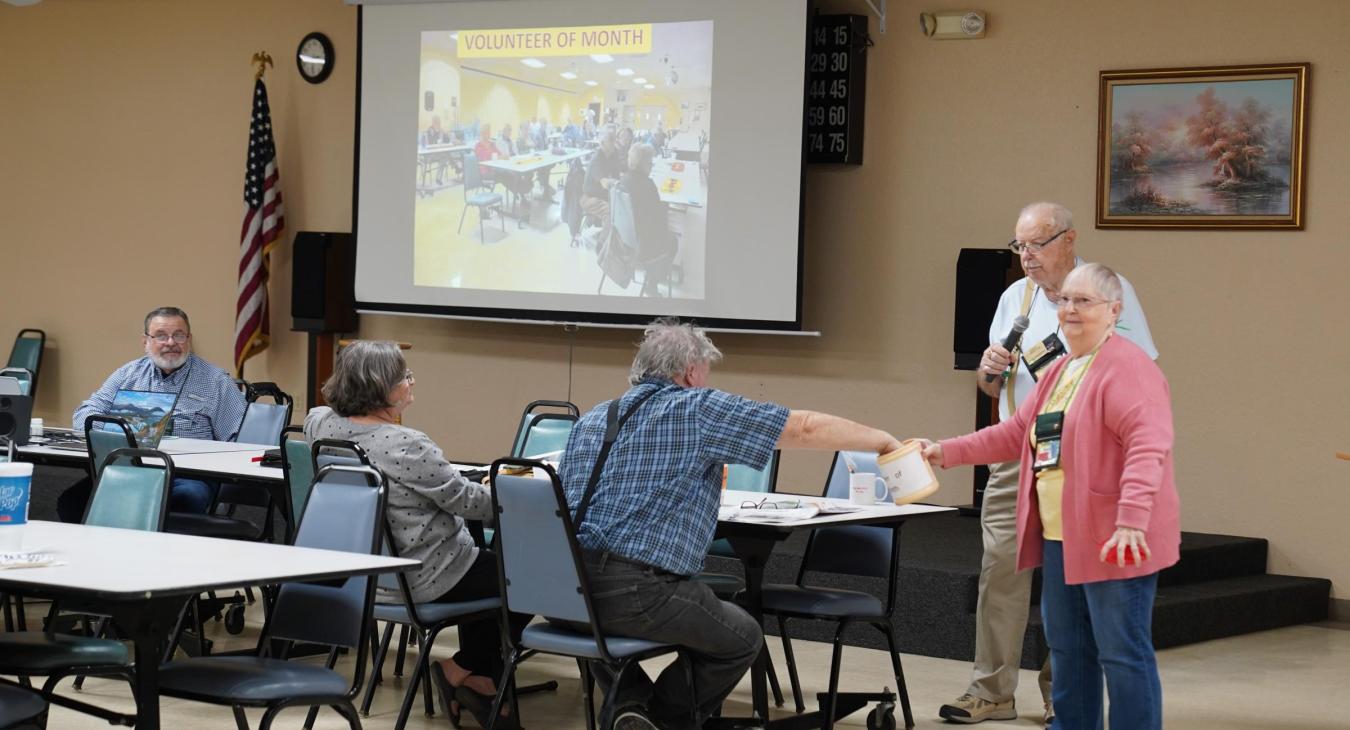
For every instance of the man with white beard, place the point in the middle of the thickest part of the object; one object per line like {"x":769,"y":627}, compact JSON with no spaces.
{"x":210,"y":405}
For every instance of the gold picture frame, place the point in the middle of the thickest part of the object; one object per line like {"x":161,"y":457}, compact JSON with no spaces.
{"x":1221,"y":147}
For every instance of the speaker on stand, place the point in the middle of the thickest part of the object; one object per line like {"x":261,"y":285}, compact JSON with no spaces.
{"x":982,"y":275}
{"x":323,"y":300}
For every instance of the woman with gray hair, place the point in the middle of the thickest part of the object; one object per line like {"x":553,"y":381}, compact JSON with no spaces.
{"x":429,"y":501}
{"x":1097,"y":505}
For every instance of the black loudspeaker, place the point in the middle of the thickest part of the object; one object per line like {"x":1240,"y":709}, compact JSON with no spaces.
{"x":982,"y":274}
{"x":323,"y":276}
{"x":16,"y":411}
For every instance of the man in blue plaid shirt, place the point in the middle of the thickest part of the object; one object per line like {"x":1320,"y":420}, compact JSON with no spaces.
{"x":652,"y":516}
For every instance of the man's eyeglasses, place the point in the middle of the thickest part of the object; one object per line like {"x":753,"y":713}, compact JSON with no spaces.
{"x":1020,"y":246}
{"x":161,"y":338}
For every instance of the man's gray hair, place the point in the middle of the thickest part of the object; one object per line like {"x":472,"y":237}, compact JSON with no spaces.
{"x":669,"y":348}
{"x":365,"y":373}
{"x":639,"y":155}
{"x":1097,"y":278}
{"x":1055,"y":214}
{"x":165,"y":312}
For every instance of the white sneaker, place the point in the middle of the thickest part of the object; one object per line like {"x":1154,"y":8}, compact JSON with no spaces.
{"x":969,"y":709}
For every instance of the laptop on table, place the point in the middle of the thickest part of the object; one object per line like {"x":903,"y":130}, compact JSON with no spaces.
{"x":146,"y":412}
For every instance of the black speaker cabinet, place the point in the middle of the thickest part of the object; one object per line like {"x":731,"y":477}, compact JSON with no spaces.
{"x":982,"y":275}
{"x":15,"y":413}
{"x":322,"y":279}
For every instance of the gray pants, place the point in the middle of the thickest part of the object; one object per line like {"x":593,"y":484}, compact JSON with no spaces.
{"x":719,"y":640}
{"x":1005,"y":594}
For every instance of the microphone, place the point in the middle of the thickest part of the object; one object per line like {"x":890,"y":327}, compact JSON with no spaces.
{"x":1014,"y":336}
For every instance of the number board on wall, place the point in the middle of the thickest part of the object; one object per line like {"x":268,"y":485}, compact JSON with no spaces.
{"x":835,"y":89}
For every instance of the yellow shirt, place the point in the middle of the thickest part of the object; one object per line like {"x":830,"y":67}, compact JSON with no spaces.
{"x":1050,"y":482}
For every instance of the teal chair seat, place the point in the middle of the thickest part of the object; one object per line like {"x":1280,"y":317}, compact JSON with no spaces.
{"x":39,"y":653}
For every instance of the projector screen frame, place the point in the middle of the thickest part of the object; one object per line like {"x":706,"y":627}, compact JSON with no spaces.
{"x":591,"y":319}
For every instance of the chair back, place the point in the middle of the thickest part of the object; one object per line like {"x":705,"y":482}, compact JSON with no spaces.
{"x":100,"y":442}
{"x":473,"y":177}
{"x":340,"y":516}
{"x":746,"y":479}
{"x":537,"y":551}
{"x":27,"y":354}
{"x":855,"y":550}
{"x":297,"y":468}
{"x":625,"y":221}
{"x":263,"y":423}
{"x":22,"y":378}
{"x":546,"y":434}
{"x":337,"y":452}
{"x":536,"y":408}
{"x":129,"y":493}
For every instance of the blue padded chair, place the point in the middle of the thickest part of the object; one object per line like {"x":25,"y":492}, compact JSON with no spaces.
{"x":102,"y":436}
{"x":858,"y":550}
{"x":479,"y":193}
{"x":337,"y":452}
{"x":27,"y":354}
{"x":21,"y":708}
{"x":130,"y":493}
{"x":426,"y":621}
{"x":542,"y":574}
{"x":546,"y":434}
{"x":297,"y":464}
{"x":538,"y":408}
{"x":746,"y":479}
{"x":340,"y":516}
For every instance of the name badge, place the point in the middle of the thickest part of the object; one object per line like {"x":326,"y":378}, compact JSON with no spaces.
{"x":1042,"y":355}
{"x":1049,"y":430}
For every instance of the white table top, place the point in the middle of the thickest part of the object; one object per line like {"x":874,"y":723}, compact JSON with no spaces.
{"x":684,"y":142}
{"x":441,"y":148}
{"x":531,"y":161}
{"x":683,"y":186}
{"x":106,"y":562}
{"x":223,"y":459}
{"x":735,"y":497}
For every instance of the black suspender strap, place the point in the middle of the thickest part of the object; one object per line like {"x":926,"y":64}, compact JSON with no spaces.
{"x":613,"y":424}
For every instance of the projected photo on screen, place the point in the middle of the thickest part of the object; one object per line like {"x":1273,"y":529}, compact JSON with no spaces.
{"x":564,"y":160}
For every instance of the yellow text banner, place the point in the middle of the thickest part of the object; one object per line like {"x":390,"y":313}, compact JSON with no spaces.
{"x":580,"y":41}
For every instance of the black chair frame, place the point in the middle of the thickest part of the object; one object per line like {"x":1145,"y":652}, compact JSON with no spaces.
{"x":344,"y":706}
{"x":506,"y":685}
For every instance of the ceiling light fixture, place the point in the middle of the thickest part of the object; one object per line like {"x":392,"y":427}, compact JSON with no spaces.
{"x":624,"y":71}
{"x":532,"y":62}
{"x":601,"y":57}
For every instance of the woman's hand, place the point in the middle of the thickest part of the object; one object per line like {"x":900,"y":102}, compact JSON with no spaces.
{"x":932,"y":450}
{"x":1126,"y":539}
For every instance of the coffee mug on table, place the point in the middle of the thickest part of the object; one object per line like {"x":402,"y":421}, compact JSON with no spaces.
{"x":865,"y":488}
{"x":908,"y":475}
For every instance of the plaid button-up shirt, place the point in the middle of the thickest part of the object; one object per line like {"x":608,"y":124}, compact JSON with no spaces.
{"x":657,"y":498}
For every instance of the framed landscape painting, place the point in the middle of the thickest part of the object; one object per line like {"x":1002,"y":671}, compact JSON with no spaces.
{"x":1221,"y":147}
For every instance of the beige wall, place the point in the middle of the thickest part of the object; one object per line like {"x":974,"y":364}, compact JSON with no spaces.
{"x":123,"y":133}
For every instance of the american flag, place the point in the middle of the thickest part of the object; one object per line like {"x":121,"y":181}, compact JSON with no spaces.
{"x":264,"y":218}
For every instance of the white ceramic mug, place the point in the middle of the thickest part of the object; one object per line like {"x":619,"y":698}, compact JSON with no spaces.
{"x":908,"y":475}
{"x":866,"y":488}
{"x":35,"y":427}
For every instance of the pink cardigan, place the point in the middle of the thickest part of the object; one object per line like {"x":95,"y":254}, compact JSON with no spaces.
{"x":1117,"y":459}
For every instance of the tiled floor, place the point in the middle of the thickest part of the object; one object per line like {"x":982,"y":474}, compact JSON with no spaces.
{"x":1291,"y":678}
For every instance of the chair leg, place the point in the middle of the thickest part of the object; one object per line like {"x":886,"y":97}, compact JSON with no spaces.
{"x":508,"y":678}
{"x":462,"y":215}
{"x":774,"y":686}
{"x":377,"y":662}
{"x":428,"y":693}
{"x":420,"y":670}
{"x":587,"y":692}
{"x":402,"y":652}
{"x":827,"y":712}
{"x":349,"y":713}
{"x":792,"y":666}
{"x":240,"y":719}
{"x":900,"y":688}
{"x":314,"y":711}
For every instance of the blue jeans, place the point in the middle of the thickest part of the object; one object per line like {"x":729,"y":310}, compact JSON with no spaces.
{"x":191,"y":495}
{"x":1097,"y":628}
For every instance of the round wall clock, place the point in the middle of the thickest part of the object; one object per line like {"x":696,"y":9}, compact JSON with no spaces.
{"x":314,"y":57}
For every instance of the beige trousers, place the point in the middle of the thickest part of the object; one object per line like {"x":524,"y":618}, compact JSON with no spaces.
{"x":1005,"y":594}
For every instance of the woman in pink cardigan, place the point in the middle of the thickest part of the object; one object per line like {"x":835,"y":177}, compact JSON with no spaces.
{"x":1097,"y":506}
